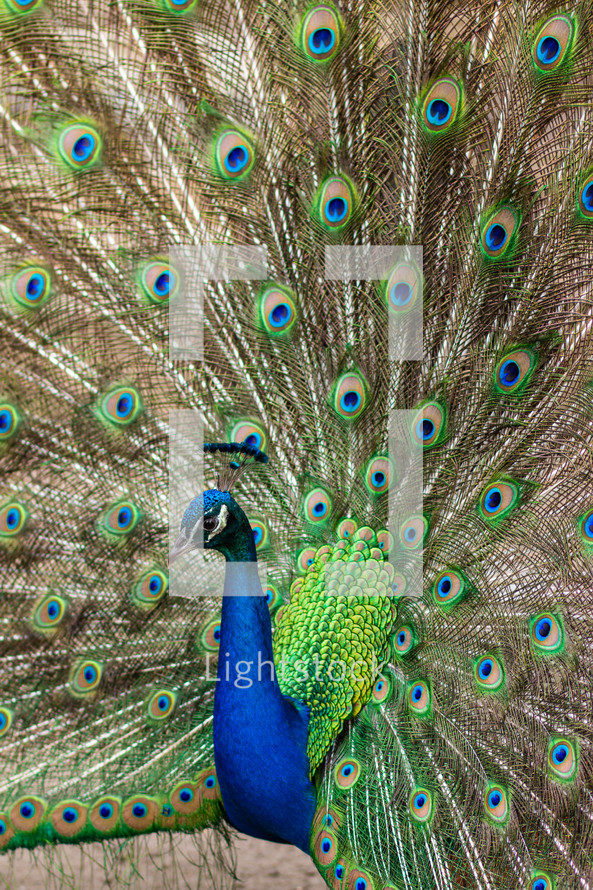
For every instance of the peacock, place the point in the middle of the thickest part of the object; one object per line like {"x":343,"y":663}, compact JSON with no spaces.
{"x":296,"y":434}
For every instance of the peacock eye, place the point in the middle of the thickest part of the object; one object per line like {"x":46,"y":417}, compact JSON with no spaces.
{"x":210,"y":523}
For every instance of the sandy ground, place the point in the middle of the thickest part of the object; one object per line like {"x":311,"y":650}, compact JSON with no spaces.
{"x":259,"y":866}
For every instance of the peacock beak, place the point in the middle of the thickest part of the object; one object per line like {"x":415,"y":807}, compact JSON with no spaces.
{"x":182,"y":545}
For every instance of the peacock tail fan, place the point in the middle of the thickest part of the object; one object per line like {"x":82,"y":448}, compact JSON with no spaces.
{"x":132,"y":134}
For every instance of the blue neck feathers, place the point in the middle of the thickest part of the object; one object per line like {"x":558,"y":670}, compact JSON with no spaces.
{"x":260,"y":736}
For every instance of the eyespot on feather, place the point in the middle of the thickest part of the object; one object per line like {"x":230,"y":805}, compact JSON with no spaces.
{"x":541,"y":881}
{"x":161,"y":705}
{"x":317,"y":506}
{"x":186,"y":798}
{"x":9,"y":421}
{"x":234,"y":154}
{"x":385,"y":540}
{"x":346,"y":528}
{"x":49,"y":613}
{"x":277,"y":309}
{"x":320,"y":33}
{"x":403,"y":288}
{"x":6,"y":717}
{"x":585,"y":528}
{"x":420,"y":805}
{"x":273,"y":596}
{"x":104,"y":814}
{"x":250,"y":432}
{"x":120,"y":406}
{"x":429,"y":424}
{"x":210,"y":636}
{"x":381,"y":691}
{"x":6,"y":831}
{"x":498,"y":232}
{"x":13,"y":518}
{"x":85,"y":678}
{"x":404,"y":640}
{"x":69,"y":818}
{"x":349,"y":397}
{"x":208,"y":784}
{"x":419,"y":697}
{"x":178,"y":6}
{"x":489,"y":673}
{"x":585,"y":197}
{"x":150,"y":589}
{"x":327,"y":817}
{"x":356,"y":879}
{"x":441,"y":105}
{"x":120,"y":519}
{"x":261,"y":532}
{"x":31,"y":287}
{"x":514,"y":370}
{"x":547,"y":633}
{"x":325,"y":847}
{"x":336,"y":874}
{"x":335,"y":203}
{"x":449,"y":588}
{"x":413,"y":532}
{"x":498,"y":499}
{"x":562,"y":759}
{"x":347,"y":773}
{"x":159,"y":281}
{"x":379,"y":475}
{"x":306,"y":558}
{"x":552,"y":45}
{"x":27,"y":813}
{"x":140,"y":812}
{"x":496,"y":804}
{"x":20,"y":7}
{"x":79,"y":145}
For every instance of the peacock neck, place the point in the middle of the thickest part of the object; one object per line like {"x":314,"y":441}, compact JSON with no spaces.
{"x":260,"y":737}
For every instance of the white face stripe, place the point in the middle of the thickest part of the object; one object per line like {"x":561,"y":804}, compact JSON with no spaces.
{"x":222,"y":519}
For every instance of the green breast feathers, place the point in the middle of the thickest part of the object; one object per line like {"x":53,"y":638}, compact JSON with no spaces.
{"x":332,"y":639}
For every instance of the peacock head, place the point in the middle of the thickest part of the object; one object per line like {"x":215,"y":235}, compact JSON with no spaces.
{"x":215,"y":521}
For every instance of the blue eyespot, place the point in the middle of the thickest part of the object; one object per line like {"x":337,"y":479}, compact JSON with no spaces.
{"x":350,"y":401}
{"x":12,"y":518}
{"x":543,"y":628}
{"x":419,"y":801}
{"x":125,"y":404}
{"x":548,"y":50}
{"x":326,"y":845}
{"x":27,"y":810}
{"x":401,"y":637}
{"x":106,"y":811}
{"x":163,"y":702}
{"x":361,"y":884}
{"x":3,"y":827}
{"x":280,"y":315}
{"x":210,"y":782}
{"x":84,"y":147}
{"x":493,"y":500}
{"x":186,"y":795}
{"x":339,"y":872}
{"x":410,"y":534}
{"x":485,"y":668}
{"x":336,"y":209}
{"x":35,"y":287}
{"x":140,"y":810}
{"x":509,"y":372}
{"x":328,"y":820}
{"x":417,"y":692}
{"x":90,"y":674}
{"x":378,"y":479}
{"x":587,"y":197}
{"x":70,"y":815}
{"x":401,"y":293}
{"x":444,"y":586}
{"x":347,"y":770}
{"x":494,"y":798}
{"x":155,"y":584}
{"x":438,"y":112}
{"x":496,"y":236}
{"x":560,"y":753}
{"x":124,"y":517}
{"x":236,"y":159}
{"x":322,"y":41}
{"x":162,"y":284}
{"x":258,"y":535}
{"x":320,"y":508}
